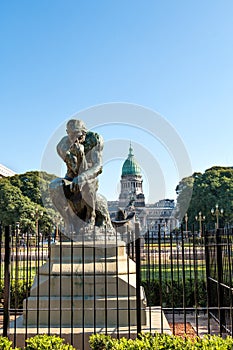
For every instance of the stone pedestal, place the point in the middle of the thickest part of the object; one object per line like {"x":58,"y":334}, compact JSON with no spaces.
{"x":85,"y":285}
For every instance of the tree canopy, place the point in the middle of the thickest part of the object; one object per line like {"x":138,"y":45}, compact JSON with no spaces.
{"x":214,"y":186}
{"x":24,"y":199}
{"x":25,"y":196}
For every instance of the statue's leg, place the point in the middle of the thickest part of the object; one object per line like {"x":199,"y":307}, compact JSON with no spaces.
{"x":102,"y":213}
{"x":57,"y":196}
{"x":89,"y":202}
{"x":62,"y":204}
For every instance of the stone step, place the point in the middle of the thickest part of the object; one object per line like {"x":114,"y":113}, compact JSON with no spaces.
{"x":89,"y":251}
{"x":108,"y":285}
{"x":121,"y":311}
{"x":111,"y":266}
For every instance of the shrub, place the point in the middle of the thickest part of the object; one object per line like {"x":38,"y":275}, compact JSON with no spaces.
{"x":160,"y":341}
{"x":18,"y":292}
{"x":5,"y":343}
{"x":172,"y":293}
{"x":47,"y":342}
{"x":101,"y":341}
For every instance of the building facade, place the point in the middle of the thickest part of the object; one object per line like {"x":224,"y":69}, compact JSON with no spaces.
{"x":5,"y":172}
{"x":131,"y":183}
{"x":152,"y":217}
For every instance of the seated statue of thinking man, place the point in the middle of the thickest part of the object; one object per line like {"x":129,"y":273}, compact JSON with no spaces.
{"x":75,"y":196}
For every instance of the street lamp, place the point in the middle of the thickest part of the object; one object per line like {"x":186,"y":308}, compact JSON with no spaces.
{"x":186,"y":224}
{"x":17,"y":232}
{"x":37,"y":215}
{"x":217,"y":213}
{"x":58,"y":220}
{"x":200,"y":218}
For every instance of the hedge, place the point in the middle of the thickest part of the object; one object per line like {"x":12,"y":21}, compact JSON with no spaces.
{"x":38,"y":342}
{"x":172,"y":293}
{"x":160,"y":341}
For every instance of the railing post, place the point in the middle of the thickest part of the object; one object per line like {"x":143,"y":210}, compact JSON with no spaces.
{"x":207,"y":265}
{"x":220,"y":272}
{"x":7,"y":260}
{"x":195,"y":278}
{"x":138,"y":277}
{"x":160,"y":278}
{"x":183,"y":278}
{"x":229,"y":258}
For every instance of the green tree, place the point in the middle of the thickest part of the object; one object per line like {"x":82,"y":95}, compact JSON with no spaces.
{"x":34,"y":185}
{"x":22,"y":197}
{"x":214,"y":186}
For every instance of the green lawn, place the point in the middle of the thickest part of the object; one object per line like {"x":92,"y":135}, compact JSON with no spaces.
{"x":168,"y":273}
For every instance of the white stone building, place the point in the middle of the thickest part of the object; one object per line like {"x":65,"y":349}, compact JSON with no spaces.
{"x":150,"y":216}
{"x":5,"y":172}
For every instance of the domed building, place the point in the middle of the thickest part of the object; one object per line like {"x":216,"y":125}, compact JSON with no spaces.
{"x":131,"y":183}
{"x":151,"y":216}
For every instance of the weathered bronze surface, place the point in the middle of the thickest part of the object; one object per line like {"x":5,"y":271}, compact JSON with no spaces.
{"x":75,"y":196}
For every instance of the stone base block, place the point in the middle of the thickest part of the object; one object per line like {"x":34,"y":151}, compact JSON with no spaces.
{"x":79,"y":336}
{"x":85,"y":284}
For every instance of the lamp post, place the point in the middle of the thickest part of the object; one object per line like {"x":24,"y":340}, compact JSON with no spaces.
{"x":37,"y":215}
{"x":58,"y":220}
{"x":200,"y":219}
{"x":186,"y":224}
{"x":165,"y":228}
{"x":17,"y":233}
{"x":217,"y":213}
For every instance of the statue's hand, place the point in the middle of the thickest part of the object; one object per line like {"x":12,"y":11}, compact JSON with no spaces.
{"x":78,"y":183}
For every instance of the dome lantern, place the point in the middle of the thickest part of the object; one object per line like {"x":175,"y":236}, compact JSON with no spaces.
{"x":130,"y":166}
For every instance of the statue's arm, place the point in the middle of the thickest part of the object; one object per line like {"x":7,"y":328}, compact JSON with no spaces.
{"x":91,"y":173}
{"x":96,"y":156}
{"x":63,"y":146}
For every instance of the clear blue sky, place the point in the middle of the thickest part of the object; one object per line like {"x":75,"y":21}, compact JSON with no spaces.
{"x":60,"y":57}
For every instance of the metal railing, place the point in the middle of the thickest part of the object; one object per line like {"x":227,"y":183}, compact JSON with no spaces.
{"x":219,"y":266}
{"x":76,"y":289}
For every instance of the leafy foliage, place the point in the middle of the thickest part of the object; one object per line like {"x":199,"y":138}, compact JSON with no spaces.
{"x":5,"y":343}
{"x":24,"y":195}
{"x":171,"y":293}
{"x":19,"y":290}
{"x":38,"y":342}
{"x":47,"y":342}
{"x":160,"y":341}
{"x":214,"y":186}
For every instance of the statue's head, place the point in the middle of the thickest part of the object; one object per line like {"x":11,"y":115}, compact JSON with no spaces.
{"x":76,"y":130}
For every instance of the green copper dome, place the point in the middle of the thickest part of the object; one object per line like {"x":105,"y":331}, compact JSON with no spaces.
{"x":130,"y":166}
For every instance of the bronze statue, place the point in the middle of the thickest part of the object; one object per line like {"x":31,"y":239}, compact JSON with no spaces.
{"x":75,"y":196}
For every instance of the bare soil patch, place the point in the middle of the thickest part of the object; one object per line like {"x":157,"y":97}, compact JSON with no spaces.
{"x":179,"y":329}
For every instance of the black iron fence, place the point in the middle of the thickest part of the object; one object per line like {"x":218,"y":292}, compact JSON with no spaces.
{"x":74,"y":289}
{"x":219,"y":266}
